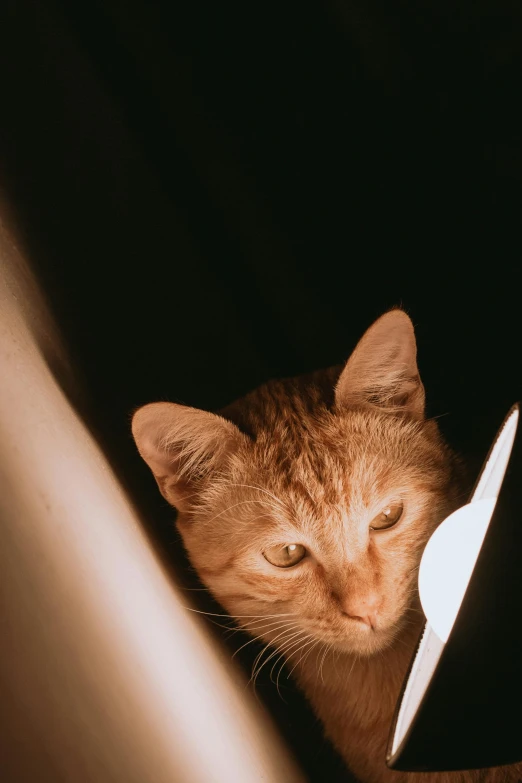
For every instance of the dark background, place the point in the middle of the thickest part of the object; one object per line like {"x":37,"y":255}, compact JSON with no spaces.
{"x":217,"y":193}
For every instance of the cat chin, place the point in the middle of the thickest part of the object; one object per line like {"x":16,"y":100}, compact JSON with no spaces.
{"x":368,"y":644}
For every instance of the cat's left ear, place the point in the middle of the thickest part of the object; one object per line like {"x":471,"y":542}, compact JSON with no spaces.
{"x":382,"y":373}
{"x":183,"y":447}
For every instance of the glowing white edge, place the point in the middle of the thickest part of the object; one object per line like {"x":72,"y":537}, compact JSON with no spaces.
{"x":431,"y":647}
{"x":490,"y":481}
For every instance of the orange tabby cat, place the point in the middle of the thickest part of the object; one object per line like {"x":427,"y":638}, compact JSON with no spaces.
{"x":305,"y":508}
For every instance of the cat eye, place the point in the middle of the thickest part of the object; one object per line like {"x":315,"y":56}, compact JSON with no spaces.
{"x":285,"y":556}
{"x":388,"y":517}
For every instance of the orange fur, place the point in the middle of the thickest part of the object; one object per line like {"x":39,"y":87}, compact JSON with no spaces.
{"x":312,"y":461}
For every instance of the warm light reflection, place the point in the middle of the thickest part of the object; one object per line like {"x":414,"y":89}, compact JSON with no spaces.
{"x":108,"y":677}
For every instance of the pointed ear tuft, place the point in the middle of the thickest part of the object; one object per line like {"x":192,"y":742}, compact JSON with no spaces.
{"x":382,"y":371}
{"x":182,"y":446}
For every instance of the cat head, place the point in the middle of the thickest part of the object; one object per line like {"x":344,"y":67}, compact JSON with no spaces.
{"x":307,"y":504}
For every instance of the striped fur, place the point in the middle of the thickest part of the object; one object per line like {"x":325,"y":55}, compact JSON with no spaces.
{"x":312,"y":460}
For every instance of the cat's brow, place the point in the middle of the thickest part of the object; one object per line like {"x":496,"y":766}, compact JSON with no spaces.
{"x":259,"y":489}
{"x":235,"y":505}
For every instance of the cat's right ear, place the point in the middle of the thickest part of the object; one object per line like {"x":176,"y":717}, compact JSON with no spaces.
{"x":382,"y":374}
{"x":183,"y":447}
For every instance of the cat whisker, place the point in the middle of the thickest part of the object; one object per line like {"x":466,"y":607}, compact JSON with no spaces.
{"x":304,"y":642}
{"x":258,"y":618}
{"x":286,"y":655}
{"x":335,"y":660}
{"x":220,"y":625}
{"x":258,"y":657}
{"x":355,"y":659}
{"x":268,"y":616}
{"x":308,"y":652}
{"x":284,"y":651}
{"x":282,"y":648}
{"x":257,"y":668}
{"x":414,"y":611}
{"x":398,"y":640}
{"x":255,"y":638}
{"x":256,"y":660}
{"x":322,"y":647}
{"x":230,"y":617}
{"x":302,"y":659}
{"x":253,"y":626}
{"x":278,"y":649}
{"x":322,"y":661}
{"x":291,"y":629}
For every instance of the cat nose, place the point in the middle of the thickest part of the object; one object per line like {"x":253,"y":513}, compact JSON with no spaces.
{"x":364,"y":610}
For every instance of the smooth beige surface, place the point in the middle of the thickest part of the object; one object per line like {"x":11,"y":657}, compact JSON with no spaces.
{"x":104,"y":675}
